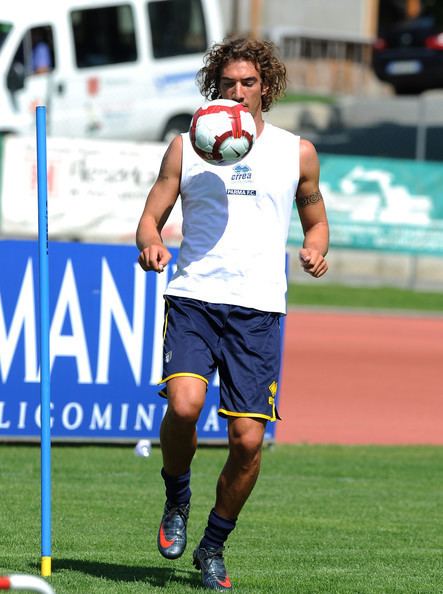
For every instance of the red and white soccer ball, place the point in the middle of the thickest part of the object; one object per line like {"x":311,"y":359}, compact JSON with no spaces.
{"x":222,"y":132}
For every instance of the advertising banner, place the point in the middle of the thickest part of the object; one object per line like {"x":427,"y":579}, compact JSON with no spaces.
{"x":390,"y":205}
{"x":106,"y":321}
{"x":96,"y":188}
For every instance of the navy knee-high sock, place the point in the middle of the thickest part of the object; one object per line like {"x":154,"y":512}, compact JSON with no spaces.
{"x":178,"y":491}
{"x":217,"y":531}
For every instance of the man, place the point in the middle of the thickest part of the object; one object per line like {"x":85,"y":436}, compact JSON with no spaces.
{"x":41,"y":53}
{"x":224,"y":303}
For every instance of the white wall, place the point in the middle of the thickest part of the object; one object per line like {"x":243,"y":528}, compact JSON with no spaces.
{"x":349,"y":18}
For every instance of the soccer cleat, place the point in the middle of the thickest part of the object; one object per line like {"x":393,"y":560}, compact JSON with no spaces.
{"x":210,"y":562}
{"x":171,"y":539}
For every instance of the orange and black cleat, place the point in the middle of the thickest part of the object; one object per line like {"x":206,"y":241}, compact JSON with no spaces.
{"x":171,"y":539}
{"x":211,"y":563}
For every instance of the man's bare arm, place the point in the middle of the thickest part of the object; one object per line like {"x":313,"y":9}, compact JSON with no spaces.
{"x":160,"y":201}
{"x":312,"y":213}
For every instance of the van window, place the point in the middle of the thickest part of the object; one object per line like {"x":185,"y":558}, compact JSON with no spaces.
{"x":4,"y":30}
{"x":177,"y":28}
{"x":104,"y":36}
{"x":42,"y":50}
{"x":35,"y":53}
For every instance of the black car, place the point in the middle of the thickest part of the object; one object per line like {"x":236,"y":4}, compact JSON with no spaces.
{"x":409,"y":55}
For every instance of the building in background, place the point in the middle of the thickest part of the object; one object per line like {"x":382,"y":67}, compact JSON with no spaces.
{"x":327,"y":45}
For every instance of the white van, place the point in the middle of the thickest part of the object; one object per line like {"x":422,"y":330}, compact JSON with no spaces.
{"x":120,"y":69}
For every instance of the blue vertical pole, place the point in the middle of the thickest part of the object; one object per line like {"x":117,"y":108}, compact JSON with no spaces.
{"x":45,"y":387}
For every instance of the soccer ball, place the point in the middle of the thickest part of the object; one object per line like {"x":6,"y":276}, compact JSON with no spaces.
{"x":222,"y":132}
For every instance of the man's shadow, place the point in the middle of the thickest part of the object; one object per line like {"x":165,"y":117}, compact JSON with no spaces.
{"x":154,"y":576}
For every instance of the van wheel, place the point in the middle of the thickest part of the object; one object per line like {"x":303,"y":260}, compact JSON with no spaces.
{"x":176,"y":126}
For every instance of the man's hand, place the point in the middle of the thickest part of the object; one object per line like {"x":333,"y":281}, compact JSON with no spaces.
{"x":313,"y":262}
{"x":155,"y":257}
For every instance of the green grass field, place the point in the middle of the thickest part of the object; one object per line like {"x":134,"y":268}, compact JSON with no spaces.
{"x":322,"y":519}
{"x":330,"y":295}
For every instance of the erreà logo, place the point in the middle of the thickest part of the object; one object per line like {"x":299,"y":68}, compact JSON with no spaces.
{"x":241,"y":172}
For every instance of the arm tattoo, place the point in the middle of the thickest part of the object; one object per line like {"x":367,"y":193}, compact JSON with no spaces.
{"x":303,"y":201}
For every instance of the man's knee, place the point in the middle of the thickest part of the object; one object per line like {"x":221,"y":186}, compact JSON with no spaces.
{"x":186,"y":397}
{"x":183,"y":411}
{"x":246,"y":437}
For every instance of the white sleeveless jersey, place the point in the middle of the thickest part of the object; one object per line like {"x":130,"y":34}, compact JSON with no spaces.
{"x":236,"y":222}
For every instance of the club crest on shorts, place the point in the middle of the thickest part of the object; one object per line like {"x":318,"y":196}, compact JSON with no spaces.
{"x":273,"y":389}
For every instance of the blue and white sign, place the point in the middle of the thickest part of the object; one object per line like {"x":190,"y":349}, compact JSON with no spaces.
{"x":106,"y":321}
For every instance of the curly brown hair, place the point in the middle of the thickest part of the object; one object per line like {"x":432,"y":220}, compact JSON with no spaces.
{"x":261,"y":53}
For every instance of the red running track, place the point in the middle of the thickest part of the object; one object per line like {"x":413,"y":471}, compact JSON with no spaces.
{"x":353,"y":378}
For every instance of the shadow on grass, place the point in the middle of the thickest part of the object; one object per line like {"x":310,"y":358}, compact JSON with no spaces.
{"x":154,"y":576}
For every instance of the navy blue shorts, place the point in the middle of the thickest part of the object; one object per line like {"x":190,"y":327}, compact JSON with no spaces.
{"x":243,"y":344}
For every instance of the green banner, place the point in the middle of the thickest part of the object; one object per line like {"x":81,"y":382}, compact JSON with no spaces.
{"x":381,"y":204}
